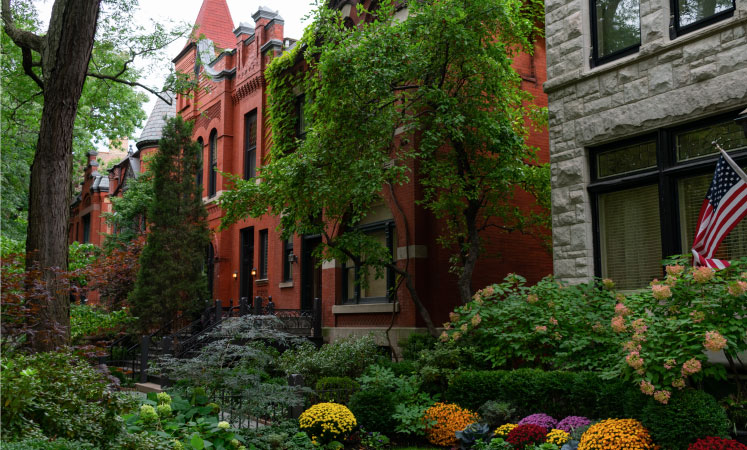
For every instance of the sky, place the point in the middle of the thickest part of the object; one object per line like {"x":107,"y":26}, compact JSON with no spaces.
{"x":292,"y":11}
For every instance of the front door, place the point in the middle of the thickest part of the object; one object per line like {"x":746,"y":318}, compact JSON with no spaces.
{"x":246,"y":263}
{"x":311,"y":272}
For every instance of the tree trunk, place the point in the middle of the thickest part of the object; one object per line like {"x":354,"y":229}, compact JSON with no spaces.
{"x":422,"y":310}
{"x":66,"y":52}
{"x":464,"y":284}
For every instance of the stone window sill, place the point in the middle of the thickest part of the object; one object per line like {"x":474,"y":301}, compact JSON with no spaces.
{"x":262,"y":282}
{"x":285,"y":284}
{"x":366,"y":308}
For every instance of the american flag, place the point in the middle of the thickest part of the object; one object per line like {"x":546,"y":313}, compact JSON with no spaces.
{"x":724,"y":206}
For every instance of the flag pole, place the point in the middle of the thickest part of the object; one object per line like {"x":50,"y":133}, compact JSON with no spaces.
{"x":731,"y":162}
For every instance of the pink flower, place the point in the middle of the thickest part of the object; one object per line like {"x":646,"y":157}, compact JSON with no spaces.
{"x":597,"y":327}
{"x":618,"y":324}
{"x":540,"y":329}
{"x":662,"y":396}
{"x":476,"y":319}
{"x":679,"y":383}
{"x":620,"y":297}
{"x":532,"y":298}
{"x":714,"y":341}
{"x":558,"y":336}
{"x":738,"y":288}
{"x":553,"y":321}
{"x":621,"y":310}
{"x":647,"y":388}
{"x":703,"y":274}
{"x":456,"y":335}
{"x":639,"y":325}
{"x":634,"y":360}
{"x":444,"y":336}
{"x":453,"y":316}
{"x":464,"y":327}
{"x":447,"y":325}
{"x":478,"y":300}
{"x":675,"y":270}
{"x":668,"y":364}
{"x":607,"y":283}
{"x":698,"y":316}
{"x":488,"y":291}
{"x":632,"y":346}
{"x":690,"y":367}
{"x":661,"y":291}
{"x":639,"y":337}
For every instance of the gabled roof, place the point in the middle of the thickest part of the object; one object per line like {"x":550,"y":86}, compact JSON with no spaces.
{"x":152,"y":131}
{"x":215,"y":22}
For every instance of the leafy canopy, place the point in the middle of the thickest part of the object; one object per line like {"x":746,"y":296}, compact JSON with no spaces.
{"x":433,"y":97}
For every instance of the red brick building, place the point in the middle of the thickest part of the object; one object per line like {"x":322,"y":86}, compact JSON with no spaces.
{"x":249,"y":259}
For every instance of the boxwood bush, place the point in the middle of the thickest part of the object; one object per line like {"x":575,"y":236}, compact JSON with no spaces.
{"x":688,"y":416}
{"x":556,"y":393}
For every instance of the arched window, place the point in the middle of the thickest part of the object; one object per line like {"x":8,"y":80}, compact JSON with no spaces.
{"x":213,"y":162}
{"x":200,"y":165}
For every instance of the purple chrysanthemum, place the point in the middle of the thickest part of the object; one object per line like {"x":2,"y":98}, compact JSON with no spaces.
{"x":542,"y":420}
{"x":572,"y":422}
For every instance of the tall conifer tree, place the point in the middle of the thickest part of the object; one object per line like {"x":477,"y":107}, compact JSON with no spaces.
{"x":171,"y":277}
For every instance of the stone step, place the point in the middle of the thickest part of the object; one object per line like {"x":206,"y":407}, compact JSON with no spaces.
{"x":148,"y":387}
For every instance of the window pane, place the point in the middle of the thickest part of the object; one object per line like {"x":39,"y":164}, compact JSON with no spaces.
{"x":263,"y":243}
{"x":375,"y":287}
{"x":699,"y":142}
{"x":618,"y":25}
{"x":692,"y":191}
{"x":626,"y":159}
{"x":692,"y":11}
{"x":630,"y":236}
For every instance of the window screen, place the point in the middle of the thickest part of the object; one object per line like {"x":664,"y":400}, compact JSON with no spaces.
{"x":630,"y":236}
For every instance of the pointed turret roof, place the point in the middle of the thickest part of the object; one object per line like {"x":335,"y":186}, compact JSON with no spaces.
{"x":215,"y":22}
{"x":153,"y":127}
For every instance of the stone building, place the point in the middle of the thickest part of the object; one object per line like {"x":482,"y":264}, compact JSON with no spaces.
{"x":638,"y":90}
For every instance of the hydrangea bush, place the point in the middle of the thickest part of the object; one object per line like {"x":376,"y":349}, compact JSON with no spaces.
{"x":667,"y":330}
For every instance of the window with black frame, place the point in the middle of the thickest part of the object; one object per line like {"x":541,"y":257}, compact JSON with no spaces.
{"x":288,"y":259}
{"x":301,"y":119}
{"x":616,"y":29}
{"x":263,"y":252}
{"x":690,"y":15}
{"x":200,"y":164}
{"x":376,"y":286}
{"x":647,"y":195}
{"x":213,"y":162}
{"x":250,"y":145}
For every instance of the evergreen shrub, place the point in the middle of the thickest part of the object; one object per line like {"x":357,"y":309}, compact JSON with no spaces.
{"x":336,"y":389}
{"x":556,"y":393}
{"x":374,"y":408}
{"x":690,"y":415}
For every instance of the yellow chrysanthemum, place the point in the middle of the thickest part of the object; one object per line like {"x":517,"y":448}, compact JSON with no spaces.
{"x":325,"y":422}
{"x":503,"y":430}
{"x":557,"y":437}
{"x":615,"y":434}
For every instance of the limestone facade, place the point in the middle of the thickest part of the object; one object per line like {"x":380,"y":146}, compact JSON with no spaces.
{"x":670,"y":81}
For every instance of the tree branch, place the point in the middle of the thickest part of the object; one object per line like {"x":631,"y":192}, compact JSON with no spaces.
{"x":28,"y":63}
{"x":22,"y":38}
{"x":168,"y":100}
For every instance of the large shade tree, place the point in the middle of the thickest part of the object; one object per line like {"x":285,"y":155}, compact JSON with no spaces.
{"x":432,"y":98}
{"x":58,"y":62}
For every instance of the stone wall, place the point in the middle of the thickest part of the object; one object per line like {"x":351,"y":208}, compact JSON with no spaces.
{"x":668,"y":82}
